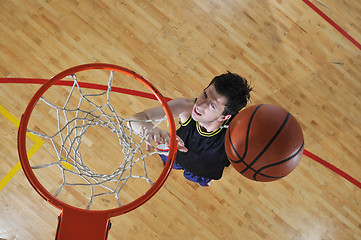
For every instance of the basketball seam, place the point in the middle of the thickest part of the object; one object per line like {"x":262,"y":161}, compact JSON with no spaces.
{"x":268,"y":144}
{"x":277,"y":163}
{"x":247,"y":137}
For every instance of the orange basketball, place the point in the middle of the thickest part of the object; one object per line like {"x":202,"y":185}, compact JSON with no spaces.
{"x":264,"y":142}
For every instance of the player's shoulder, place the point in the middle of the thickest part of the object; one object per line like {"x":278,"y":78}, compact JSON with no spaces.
{"x":181,"y":107}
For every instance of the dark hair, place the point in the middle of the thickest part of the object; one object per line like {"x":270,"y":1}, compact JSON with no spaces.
{"x":235,"y":88}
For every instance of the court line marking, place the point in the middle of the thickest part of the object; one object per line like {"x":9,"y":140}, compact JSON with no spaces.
{"x":82,"y":84}
{"x":333,"y":24}
{"x":358,"y":45}
{"x":333,"y":168}
{"x":122,"y":90}
{"x":38,"y":142}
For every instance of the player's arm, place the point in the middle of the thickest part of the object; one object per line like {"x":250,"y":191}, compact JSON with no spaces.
{"x":181,"y":108}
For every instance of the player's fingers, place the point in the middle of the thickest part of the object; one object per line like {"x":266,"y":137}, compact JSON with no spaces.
{"x":182,"y":149}
{"x":180,"y":145}
{"x":166,"y":140}
{"x":149,"y":140}
{"x":148,"y":146}
{"x":157,"y":138}
{"x":180,"y":141}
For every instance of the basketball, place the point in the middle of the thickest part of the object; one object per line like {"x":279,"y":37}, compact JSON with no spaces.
{"x":264,"y":142}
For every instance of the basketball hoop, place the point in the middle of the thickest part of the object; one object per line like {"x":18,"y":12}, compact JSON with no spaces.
{"x":84,"y":223}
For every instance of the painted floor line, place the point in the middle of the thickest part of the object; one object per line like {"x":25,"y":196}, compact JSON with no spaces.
{"x":38,"y":142}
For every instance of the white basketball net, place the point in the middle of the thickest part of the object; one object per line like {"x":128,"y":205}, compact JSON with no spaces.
{"x":68,"y":139}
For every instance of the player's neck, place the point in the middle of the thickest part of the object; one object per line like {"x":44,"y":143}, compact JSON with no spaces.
{"x":210,"y":126}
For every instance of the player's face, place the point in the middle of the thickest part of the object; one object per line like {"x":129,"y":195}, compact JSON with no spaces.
{"x":209,"y":106}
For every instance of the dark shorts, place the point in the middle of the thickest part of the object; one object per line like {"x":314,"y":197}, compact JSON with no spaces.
{"x":188,"y":175}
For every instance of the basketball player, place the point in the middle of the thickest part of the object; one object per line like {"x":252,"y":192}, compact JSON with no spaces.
{"x":203,"y":120}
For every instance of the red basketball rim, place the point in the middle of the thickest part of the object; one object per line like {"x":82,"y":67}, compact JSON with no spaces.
{"x":64,"y":206}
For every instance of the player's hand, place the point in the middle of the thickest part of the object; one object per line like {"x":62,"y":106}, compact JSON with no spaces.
{"x":180,"y":146}
{"x":160,"y":136}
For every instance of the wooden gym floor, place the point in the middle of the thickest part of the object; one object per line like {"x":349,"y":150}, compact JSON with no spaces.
{"x":304,"y":56}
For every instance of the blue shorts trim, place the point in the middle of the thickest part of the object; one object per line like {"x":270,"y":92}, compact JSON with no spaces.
{"x":188,"y":175}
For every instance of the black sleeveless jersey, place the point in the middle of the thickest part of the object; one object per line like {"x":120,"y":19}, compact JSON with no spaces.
{"x":206,"y":156}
